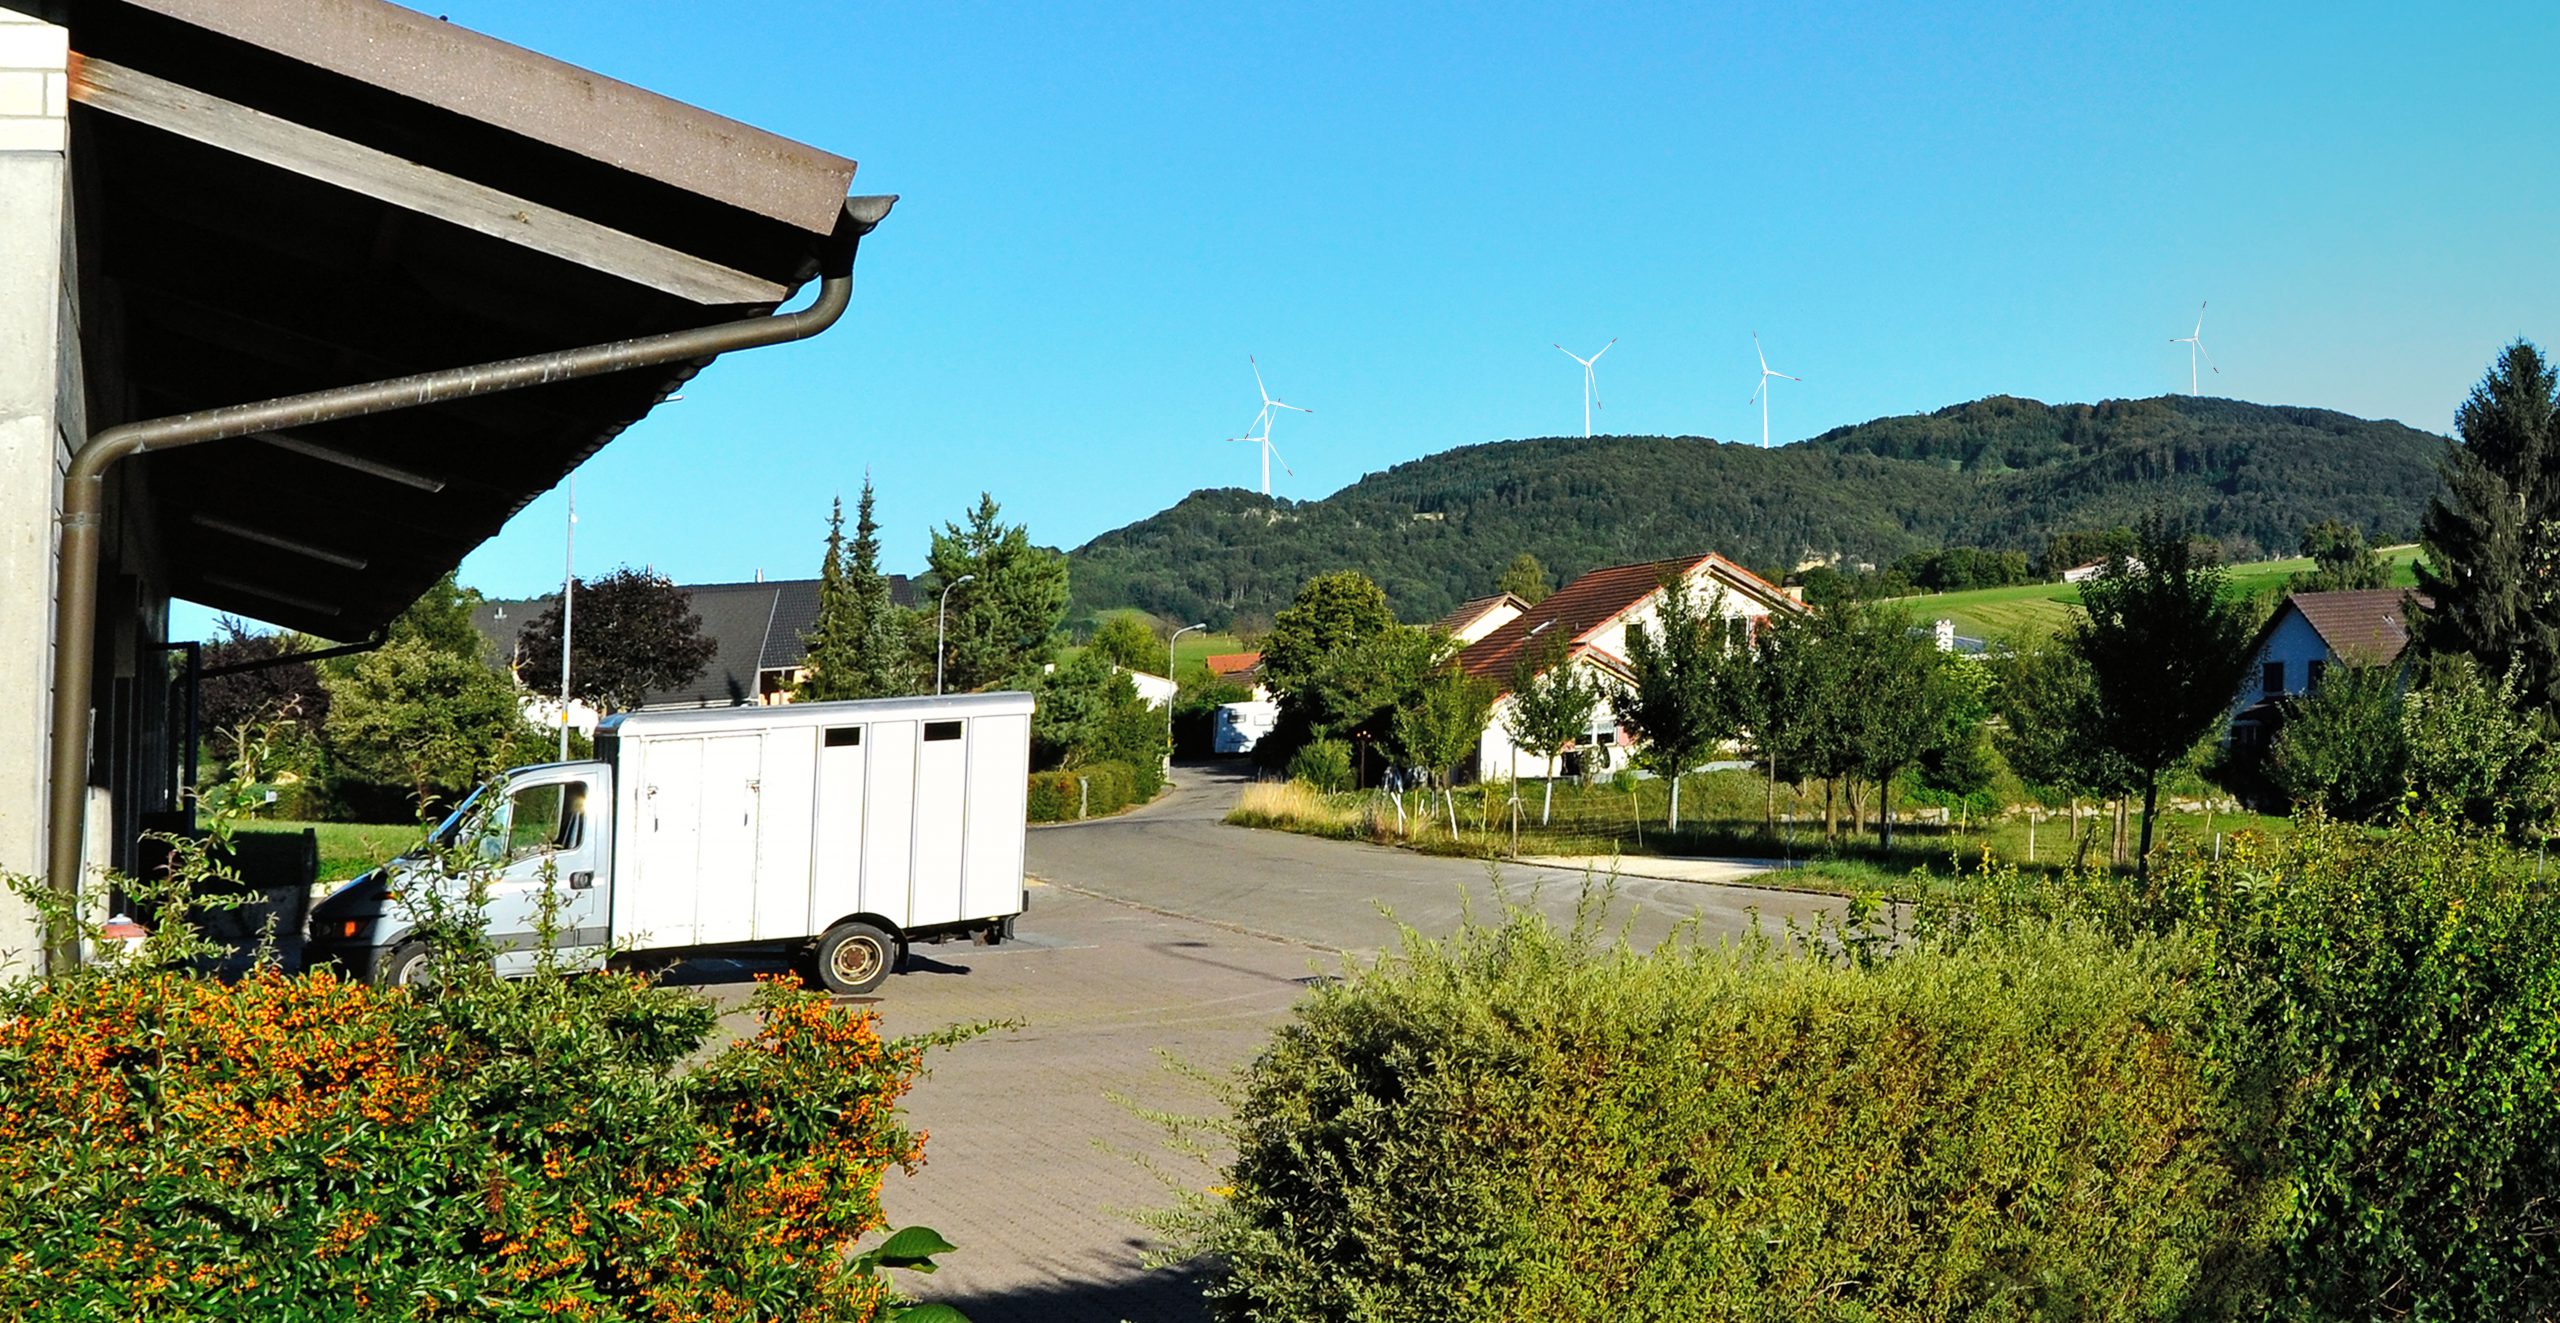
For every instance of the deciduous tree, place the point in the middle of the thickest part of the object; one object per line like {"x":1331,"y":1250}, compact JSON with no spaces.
{"x":1687,"y":678}
{"x":634,"y":633}
{"x":1525,"y":579}
{"x":2340,"y":560}
{"x":1126,"y":640}
{"x":2165,"y":643}
{"x":1552,"y":702}
{"x":424,"y":722}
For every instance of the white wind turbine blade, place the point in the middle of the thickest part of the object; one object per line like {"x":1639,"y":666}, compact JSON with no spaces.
{"x":1585,"y":362}
{"x":1275,"y":454}
{"x":2208,"y":355}
{"x":1603,"y":349}
{"x":1782,"y":374}
{"x":1279,"y":404}
{"x":1591,"y":379}
{"x":1258,"y":387}
{"x":1764,"y":357}
{"x":1755,"y":391}
{"x":2200,"y":319}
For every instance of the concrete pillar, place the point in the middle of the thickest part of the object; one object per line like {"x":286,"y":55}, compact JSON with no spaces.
{"x":40,"y":414}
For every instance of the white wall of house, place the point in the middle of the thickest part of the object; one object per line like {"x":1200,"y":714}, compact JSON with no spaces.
{"x":40,"y":413}
{"x":1498,"y":759}
{"x":2292,"y":645}
{"x":1157,"y":690}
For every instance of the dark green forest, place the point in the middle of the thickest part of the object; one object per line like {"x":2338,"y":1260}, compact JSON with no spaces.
{"x":2001,"y":473}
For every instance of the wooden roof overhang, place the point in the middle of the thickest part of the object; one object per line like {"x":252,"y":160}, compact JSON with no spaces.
{"x":282,"y":196}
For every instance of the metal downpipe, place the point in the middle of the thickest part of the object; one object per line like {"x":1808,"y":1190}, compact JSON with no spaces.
{"x":84,"y":496}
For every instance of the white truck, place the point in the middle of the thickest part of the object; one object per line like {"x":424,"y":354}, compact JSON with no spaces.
{"x":840,"y":831}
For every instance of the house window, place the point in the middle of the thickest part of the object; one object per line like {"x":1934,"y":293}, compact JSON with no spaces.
{"x":2312,"y":673}
{"x":2271,"y":678}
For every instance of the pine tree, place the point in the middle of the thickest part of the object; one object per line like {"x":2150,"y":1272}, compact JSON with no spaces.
{"x":1001,"y":625}
{"x":2485,"y":571}
{"x":834,"y":638}
{"x":884,"y":658}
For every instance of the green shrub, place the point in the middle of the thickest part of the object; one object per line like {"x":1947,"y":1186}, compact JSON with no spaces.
{"x":1324,"y":764}
{"x":1092,"y":790}
{"x":2387,"y":1019}
{"x":1518,"y":1123}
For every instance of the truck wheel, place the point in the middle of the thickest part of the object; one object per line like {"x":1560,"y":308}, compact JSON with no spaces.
{"x":855,"y":957}
{"x":408,"y":966}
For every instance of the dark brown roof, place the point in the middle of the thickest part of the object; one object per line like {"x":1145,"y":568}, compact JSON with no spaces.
{"x":2364,"y":627}
{"x":1585,"y":605}
{"x":755,"y":626}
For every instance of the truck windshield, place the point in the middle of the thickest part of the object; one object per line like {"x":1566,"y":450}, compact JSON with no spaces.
{"x":448,"y":833}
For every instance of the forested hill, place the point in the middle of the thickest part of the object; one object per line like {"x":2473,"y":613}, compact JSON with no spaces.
{"x":2000,"y":472}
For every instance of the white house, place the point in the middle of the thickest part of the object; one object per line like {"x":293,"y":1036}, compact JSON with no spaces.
{"x":1473,"y":620}
{"x":2309,"y":634}
{"x":1593,"y":614}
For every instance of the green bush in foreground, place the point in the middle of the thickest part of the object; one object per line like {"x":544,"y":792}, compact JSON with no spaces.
{"x":1090,"y":791}
{"x":1520,"y":1123}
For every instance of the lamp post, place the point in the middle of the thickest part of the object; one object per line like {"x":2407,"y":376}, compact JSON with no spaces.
{"x":938,"y":614}
{"x":568,"y":609}
{"x":1169,"y":665}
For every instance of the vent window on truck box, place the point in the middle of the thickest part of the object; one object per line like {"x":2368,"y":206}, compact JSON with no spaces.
{"x":840,"y":737}
{"x":941,"y":730}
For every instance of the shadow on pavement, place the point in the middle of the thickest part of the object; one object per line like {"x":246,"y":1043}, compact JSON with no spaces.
{"x":1167,"y":1295}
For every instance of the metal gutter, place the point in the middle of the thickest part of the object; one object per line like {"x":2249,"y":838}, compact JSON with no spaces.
{"x":84,"y":493}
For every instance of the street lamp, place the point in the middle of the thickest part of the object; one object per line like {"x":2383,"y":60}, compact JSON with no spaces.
{"x":938,"y":614}
{"x":1169,"y":665}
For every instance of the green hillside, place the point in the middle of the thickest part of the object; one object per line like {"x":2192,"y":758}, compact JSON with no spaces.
{"x":2040,"y":608}
{"x":2000,"y":472}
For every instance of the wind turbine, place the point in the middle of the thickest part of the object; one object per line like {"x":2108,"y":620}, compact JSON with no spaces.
{"x":1263,"y":421}
{"x":1590,"y":381}
{"x":1762,"y":394}
{"x":2195,"y":347}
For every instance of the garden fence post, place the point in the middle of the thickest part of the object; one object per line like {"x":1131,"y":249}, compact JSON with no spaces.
{"x":1084,"y":798}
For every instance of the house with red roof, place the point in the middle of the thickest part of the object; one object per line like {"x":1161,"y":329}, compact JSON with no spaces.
{"x":1593,"y":614}
{"x":2306,"y":636}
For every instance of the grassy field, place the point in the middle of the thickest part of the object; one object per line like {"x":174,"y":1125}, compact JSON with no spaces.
{"x":2041,"y":608}
{"x":349,"y":848}
{"x":1190,"y":652}
{"x":1722,"y":814}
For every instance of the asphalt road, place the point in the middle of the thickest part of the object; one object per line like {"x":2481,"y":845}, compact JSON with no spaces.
{"x":1159,"y":943}
{"x":1178,"y":856}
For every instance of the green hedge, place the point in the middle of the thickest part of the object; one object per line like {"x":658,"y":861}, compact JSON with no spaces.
{"x":1519,"y":1123}
{"x":1108,"y":788}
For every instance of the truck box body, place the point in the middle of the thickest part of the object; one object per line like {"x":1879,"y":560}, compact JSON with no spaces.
{"x":733,"y":826}
{"x":770,"y":824}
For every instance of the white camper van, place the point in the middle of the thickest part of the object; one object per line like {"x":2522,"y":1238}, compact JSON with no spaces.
{"x":843,"y":831}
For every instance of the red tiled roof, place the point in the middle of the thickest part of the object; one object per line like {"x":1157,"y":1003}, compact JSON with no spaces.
{"x":1223,"y":664}
{"x":2364,"y":627}
{"x":1470,"y":612}
{"x":1592,"y":601}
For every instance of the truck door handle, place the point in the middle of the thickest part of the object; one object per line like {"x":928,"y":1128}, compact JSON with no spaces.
{"x":581,"y":880}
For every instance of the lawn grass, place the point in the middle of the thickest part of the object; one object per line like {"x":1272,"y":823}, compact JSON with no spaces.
{"x":2042,"y":608}
{"x":1723,"y":814}
{"x":348,"y":848}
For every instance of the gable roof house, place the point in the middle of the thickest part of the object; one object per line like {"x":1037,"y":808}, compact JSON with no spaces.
{"x":2307,"y":635}
{"x":1593,"y":614}
{"x":757,"y":628}
{"x":305,"y":299}
{"x":1473,"y":620}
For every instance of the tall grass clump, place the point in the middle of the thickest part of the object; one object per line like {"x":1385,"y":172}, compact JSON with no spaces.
{"x":1523,"y":1122}
{"x":1299,"y":807}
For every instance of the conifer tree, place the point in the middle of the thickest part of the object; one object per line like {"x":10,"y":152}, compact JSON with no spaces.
{"x":2486,"y":573}
{"x":833,"y":638}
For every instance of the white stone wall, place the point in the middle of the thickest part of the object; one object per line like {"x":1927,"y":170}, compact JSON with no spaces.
{"x":39,"y":413}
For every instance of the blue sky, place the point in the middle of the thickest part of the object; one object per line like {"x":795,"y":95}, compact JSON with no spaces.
{"x":1399,"y":207}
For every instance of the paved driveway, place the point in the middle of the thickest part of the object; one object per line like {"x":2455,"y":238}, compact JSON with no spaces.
{"x":1161,"y":935}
